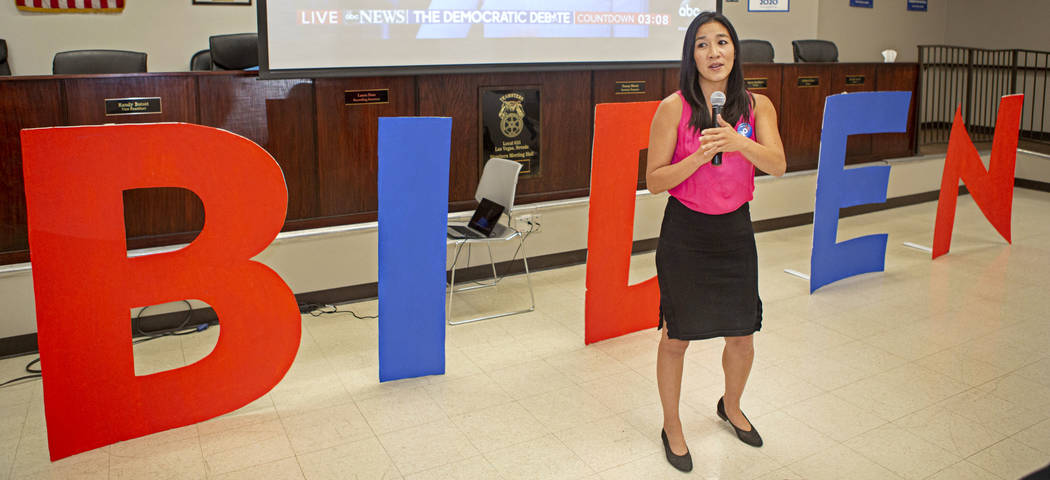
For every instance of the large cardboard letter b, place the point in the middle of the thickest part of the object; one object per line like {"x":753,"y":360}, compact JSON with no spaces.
{"x":86,"y":285}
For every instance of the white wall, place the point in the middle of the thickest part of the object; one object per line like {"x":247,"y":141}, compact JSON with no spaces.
{"x":778,"y":28}
{"x":861,"y":34}
{"x":999,"y":24}
{"x":169,"y":31}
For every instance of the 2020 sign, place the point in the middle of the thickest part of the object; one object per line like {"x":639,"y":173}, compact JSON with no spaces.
{"x":768,"y":5}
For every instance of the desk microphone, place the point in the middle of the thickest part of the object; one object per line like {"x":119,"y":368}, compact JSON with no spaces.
{"x":718,"y":100}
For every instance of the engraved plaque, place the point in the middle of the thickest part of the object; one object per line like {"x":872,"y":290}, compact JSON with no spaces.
{"x":624,"y":87}
{"x":132,"y":106}
{"x":510,"y":126}
{"x":854,"y":79}
{"x":366,"y":97}
{"x":756,"y":83}
{"x":808,"y":81}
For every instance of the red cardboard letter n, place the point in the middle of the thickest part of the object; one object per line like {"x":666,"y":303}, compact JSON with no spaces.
{"x":991,"y":189}
{"x":86,"y":286}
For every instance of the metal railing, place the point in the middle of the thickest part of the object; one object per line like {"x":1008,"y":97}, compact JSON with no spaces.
{"x":976,"y":78}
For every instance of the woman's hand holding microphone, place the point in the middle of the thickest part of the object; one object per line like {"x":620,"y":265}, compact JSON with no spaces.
{"x":720,"y":139}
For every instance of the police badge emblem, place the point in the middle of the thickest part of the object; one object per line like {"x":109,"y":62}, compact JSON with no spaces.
{"x":511,"y":115}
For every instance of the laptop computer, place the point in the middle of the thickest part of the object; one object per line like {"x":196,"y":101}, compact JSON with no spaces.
{"x":485,"y":218}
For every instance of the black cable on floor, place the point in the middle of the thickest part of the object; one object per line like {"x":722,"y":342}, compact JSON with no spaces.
{"x":34,"y":371}
{"x":317,"y":309}
{"x":147,"y":336}
{"x":164,"y":331}
{"x":30,"y":364}
{"x":27,"y":377}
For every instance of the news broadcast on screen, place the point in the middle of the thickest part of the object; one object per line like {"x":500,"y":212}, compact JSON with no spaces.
{"x":348,"y":35}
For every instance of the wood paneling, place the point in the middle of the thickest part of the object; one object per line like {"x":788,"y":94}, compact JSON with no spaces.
{"x":604,"y":85}
{"x":769,"y":71}
{"x":565,"y":130}
{"x":858,"y":147}
{"x":279,"y":116}
{"x":604,"y":91}
{"x":327,"y":150}
{"x":891,"y":77}
{"x":23,"y":104}
{"x":670,"y":80}
{"x":183,"y":214}
{"x":161,"y":216}
{"x":773,"y":75}
{"x":802,"y":113}
{"x":457,"y":96}
{"x":85,"y":98}
{"x":347,"y":138}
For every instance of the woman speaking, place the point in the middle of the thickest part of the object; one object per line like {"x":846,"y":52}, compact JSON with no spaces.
{"x":706,"y":258}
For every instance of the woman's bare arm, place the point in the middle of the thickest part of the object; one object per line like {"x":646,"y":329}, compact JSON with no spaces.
{"x":660,"y":174}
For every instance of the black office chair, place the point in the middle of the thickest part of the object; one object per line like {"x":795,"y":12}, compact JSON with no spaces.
{"x":5,"y":69}
{"x":98,"y":61}
{"x":236,"y":51}
{"x":756,"y":51}
{"x":201,"y":61}
{"x":815,"y":51}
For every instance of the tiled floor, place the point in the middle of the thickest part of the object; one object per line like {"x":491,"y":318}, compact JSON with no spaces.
{"x":930,"y":370}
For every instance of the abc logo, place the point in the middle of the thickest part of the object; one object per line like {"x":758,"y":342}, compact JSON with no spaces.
{"x":685,"y":10}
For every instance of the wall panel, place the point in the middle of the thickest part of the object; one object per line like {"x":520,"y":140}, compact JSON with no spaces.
{"x":346,"y":143}
{"x":327,"y":149}
{"x":278,"y":115}
{"x":23,"y":104}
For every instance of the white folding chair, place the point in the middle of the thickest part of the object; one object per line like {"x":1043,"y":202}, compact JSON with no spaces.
{"x":499,"y":182}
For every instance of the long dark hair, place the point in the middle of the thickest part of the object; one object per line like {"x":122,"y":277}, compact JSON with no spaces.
{"x":737,"y":99}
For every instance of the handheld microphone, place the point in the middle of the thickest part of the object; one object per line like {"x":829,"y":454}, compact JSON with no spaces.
{"x":718,"y":100}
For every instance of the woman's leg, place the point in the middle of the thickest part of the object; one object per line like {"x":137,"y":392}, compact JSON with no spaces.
{"x":737,"y":357}
{"x":670,"y":357}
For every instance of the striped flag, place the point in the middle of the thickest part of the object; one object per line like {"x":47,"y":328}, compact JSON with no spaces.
{"x":66,"y":6}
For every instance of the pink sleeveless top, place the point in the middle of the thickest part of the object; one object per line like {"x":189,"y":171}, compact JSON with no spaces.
{"x":712,"y":189}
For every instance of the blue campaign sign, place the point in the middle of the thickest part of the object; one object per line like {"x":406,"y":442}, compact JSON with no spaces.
{"x":862,"y":3}
{"x":917,"y":5}
{"x":413,"y":222}
{"x":844,"y":115}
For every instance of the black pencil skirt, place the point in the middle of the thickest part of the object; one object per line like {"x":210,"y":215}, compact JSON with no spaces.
{"x":707,"y":267}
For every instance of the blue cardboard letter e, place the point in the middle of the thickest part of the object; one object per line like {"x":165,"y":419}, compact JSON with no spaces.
{"x":844,"y":115}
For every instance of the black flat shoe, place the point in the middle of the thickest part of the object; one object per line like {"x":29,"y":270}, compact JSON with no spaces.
{"x":750,"y":437}
{"x":681,"y":462}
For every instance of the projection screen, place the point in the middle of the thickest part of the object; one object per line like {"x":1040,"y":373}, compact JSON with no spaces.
{"x":368,"y":37}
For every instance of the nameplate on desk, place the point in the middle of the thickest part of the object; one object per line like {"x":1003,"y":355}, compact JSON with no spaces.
{"x":366,"y":97}
{"x":854,"y":79}
{"x":756,"y":83}
{"x":132,"y":106}
{"x":624,"y":87}
{"x":808,"y":81}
